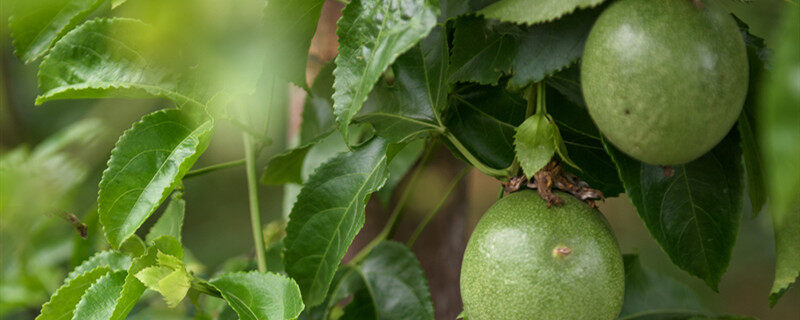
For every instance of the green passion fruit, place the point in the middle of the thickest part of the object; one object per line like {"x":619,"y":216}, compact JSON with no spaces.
{"x":664,"y":80}
{"x":527,"y":261}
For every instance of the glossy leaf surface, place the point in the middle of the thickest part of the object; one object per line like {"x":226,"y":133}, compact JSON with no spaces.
{"x":328,"y":214}
{"x":101,"y":59}
{"x":145,"y":166}
{"x":100,"y":299}
{"x":37,"y":25}
{"x":260,"y":296}
{"x":62,"y":304}
{"x":372,"y":34}
{"x":289,"y":26}
{"x":694,"y":213}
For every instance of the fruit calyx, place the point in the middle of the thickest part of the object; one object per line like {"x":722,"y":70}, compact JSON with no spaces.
{"x":554,"y":177}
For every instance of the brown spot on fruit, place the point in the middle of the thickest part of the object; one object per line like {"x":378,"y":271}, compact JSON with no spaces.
{"x":561,"y":251}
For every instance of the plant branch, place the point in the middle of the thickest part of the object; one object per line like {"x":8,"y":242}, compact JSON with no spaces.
{"x":395,"y":217}
{"x":438,"y":207}
{"x":212,"y":168}
{"x":255,"y":213}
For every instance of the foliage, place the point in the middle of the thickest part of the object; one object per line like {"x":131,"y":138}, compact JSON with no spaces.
{"x":409,"y":75}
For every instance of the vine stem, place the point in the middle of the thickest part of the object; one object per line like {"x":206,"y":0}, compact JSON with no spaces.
{"x":215,"y":167}
{"x":252,"y":192}
{"x":499,"y":173}
{"x":397,"y":213}
{"x":438,"y":207}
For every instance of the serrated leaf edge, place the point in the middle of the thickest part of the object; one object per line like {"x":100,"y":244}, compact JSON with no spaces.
{"x":66,"y":285}
{"x":115,"y":151}
{"x":526,"y":23}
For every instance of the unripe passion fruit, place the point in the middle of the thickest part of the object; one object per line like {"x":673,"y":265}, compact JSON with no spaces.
{"x":664,"y":80}
{"x":525,"y":261}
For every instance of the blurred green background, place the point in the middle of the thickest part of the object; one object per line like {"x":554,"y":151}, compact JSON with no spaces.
{"x":36,"y":173}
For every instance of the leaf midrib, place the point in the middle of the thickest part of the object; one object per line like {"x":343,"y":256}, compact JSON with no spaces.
{"x":348,"y":207}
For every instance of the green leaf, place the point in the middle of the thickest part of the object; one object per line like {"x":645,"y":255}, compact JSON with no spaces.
{"x":99,"y":301}
{"x":171,"y":283}
{"x":328,"y":214}
{"x":133,"y":288}
{"x":100,"y":59}
{"x":583,"y":143}
{"x":693,"y":214}
{"x":484,"y":50}
{"x":62,"y":304}
{"x":134,"y":246}
{"x":147,"y":163}
{"x":747,"y":124}
{"x":289,"y":26}
{"x":372,"y":34}
{"x":391,"y":286}
{"x":171,"y":221}
{"x":412,"y":104}
{"x":646,"y":290}
{"x":401,"y":163}
{"x":535,"y":143}
{"x":484,"y":120}
{"x":114,"y":260}
{"x":318,"y":106}
{"x":37,"y":25}
{"x":531,"y":12}
{"x":260,"y":296}
{"x":780,"y":146}
{"x":287,"y":167}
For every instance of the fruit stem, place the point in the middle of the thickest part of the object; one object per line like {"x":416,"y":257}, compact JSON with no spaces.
{"x":212,"y":168}
{"x":438,"y":207}
{"x":397,"y":213}
{"x":255,"y":212}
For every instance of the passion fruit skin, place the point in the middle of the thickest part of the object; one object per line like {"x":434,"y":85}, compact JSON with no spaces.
{"x":664,"y":80}
{"x":525,"y":261}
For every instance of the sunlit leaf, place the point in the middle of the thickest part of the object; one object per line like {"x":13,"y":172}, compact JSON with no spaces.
{"x":115,"y":261}
{"x":328,"y":214}
{"x":530,"y":12}
{"x":62,"y":304}
{"x":133,"y":288}
{"x":372,"y":34}
{"x":260,"y":296}
{"x":101,"y":59}
{"x":37,"y":25}
{"x":146,"y":165}
{"x":693,"y":212}
{"x":100,"y":299}
{"x":171,"y":221}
